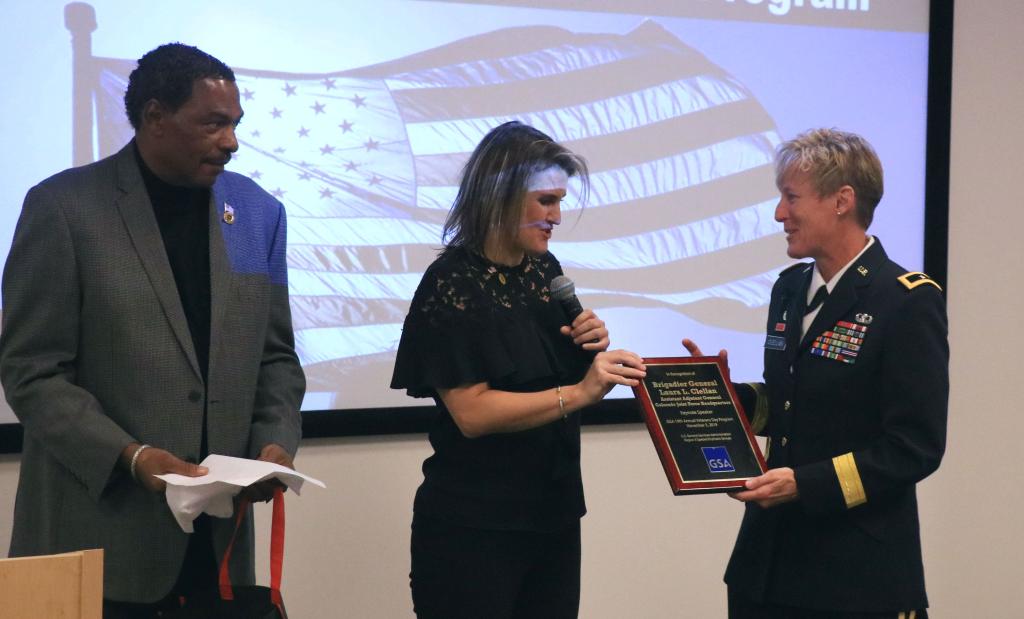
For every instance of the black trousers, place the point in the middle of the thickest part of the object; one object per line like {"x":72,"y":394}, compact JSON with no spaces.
{"x":198,"y":576}
{"x":741,"y":607}
{"x":466,"y":573}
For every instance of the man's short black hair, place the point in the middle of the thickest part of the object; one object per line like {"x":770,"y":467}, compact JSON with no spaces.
{"x":167,"y":74}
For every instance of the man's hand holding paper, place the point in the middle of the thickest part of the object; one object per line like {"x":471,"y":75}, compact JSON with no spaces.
{"x":214,"y":492}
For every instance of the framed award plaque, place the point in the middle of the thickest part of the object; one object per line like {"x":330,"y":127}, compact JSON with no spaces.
{"x":698,"y":426}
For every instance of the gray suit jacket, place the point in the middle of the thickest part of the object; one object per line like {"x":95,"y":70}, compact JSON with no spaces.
{"x":96,"y":353}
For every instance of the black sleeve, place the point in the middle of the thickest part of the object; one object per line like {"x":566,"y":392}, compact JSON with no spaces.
{"x":914,"y":380}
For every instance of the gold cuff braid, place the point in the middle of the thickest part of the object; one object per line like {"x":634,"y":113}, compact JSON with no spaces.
{"x":849,"y":480}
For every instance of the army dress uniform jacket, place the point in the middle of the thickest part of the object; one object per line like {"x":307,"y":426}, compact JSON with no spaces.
{"x":96,"y":353}
{"x":857,"y":407}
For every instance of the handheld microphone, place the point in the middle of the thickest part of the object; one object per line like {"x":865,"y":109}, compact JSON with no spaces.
{"x":563,"y":290}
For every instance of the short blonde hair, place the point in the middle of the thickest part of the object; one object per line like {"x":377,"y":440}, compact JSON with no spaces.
{"x":832,"y":159}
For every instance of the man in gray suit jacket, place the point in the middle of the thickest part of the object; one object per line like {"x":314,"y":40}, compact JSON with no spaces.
{"x":145,"y":325}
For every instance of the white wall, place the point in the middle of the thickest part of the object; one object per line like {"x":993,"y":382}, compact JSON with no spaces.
{"x":972,"y":512}
{"x":650,"y":555}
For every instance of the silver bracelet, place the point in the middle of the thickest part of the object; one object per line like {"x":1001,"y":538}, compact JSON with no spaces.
{"x":561,"y":402}
{"x":135,"y":459}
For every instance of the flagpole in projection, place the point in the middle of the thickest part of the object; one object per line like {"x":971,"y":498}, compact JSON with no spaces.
{"x":80,"y":20}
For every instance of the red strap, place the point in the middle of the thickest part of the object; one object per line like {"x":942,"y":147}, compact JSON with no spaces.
{"x":277,"y":546}
{"x":225,"y":580}
{"x":276,"y":549}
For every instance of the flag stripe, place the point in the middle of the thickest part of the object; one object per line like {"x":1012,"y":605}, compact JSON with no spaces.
{"x":362,"y":231}
{"x":317,"y":311}
{"x":626,"y":252}
{"x":589,"y":119}
{"x":353,"y":285}
{"x":669,"y":209}
{"x":701,"y":270}
{"x":600,"y":81}
{"x":362,"y":259}
{"x":324,"y":343}
{"x":518,"y":40}
{"x":653,"y":178}
{"x":673,"y":244}
{"x":751,"y":291}
{"x":318,"y":343}
{"x":516,"y":64}
{"x":655,"y":140}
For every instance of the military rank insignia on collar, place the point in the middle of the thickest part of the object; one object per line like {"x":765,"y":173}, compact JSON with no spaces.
{"x":913,"y":279}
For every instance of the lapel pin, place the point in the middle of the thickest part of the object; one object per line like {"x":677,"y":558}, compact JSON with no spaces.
{"x":229,"y":214}
{"x":784,"y":315}
{"x":864,"y":319}
{"x":862,"y":270}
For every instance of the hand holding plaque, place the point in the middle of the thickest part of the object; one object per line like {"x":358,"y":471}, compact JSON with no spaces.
{"x":698,"y":425}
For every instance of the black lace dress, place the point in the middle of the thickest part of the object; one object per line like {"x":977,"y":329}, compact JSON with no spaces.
{"x":474,"y":321}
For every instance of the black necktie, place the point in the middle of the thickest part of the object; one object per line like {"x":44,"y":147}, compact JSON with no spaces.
{"x":819,"y":298}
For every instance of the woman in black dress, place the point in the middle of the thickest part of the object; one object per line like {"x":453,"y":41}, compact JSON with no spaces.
{"x":496,"y":526}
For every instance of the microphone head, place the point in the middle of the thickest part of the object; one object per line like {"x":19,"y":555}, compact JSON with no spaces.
{"x":562,"y":288}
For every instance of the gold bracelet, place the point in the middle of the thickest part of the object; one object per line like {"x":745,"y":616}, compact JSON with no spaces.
{"x":561,"y":402}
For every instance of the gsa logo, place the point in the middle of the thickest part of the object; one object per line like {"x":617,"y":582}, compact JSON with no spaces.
{"x":718,"y":460}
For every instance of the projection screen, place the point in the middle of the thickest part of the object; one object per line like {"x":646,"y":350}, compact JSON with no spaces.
{"x":358,"y":116}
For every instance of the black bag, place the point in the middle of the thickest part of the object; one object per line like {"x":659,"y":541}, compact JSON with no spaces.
{"x":243,"y":602}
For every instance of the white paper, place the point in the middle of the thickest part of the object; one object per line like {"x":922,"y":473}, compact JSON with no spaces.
{"x":212,"y":493}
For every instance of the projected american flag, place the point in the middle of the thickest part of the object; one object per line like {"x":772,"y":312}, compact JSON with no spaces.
{"x":367,"y":162}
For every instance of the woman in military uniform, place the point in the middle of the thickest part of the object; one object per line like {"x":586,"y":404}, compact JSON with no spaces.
{"x":853,"y":404}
